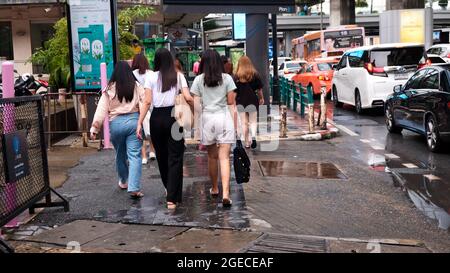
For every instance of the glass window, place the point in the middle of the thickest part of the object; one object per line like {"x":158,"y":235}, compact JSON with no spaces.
{"x":6,"y":46}
{"x":292,"y":65}
{"x":414,"y":81}
{"x":396,"y":56}
{"x":445,"y":81}
{"x":323,"y":66}
{"x":357,"y":58}
{"x":343,"y":62}
{"x":40,"y":33}
{"x":430,"y":80}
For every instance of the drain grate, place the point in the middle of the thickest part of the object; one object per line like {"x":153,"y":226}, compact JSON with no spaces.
{"x":279,"y":243}
{"x":318,"y":170}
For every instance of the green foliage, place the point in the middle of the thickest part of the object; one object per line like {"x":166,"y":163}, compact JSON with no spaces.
{"x":361,"y":4}
{"x":54,"y":57}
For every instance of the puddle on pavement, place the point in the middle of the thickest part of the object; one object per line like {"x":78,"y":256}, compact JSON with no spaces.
{"x":431,"y":196}
{"x":320,"y":170}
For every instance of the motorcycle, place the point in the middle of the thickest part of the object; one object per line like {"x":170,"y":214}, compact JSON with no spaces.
{"x":25,"y":83}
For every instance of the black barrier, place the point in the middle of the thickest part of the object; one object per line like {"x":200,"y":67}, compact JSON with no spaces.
{"x":24,"y":177}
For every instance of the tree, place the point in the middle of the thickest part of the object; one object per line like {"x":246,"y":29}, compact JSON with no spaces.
{"x":443,"y":4}
{"x":361,"y":4}
{"x":55,"y":55}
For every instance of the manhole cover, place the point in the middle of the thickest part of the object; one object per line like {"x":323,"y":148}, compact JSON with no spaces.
{"x":279,"y":243}
{"x":318,"y":170}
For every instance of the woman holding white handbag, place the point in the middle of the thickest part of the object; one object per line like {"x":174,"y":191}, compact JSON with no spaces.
{"x":165,"y":84}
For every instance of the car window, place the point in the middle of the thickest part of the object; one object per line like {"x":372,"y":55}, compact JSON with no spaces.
{"x":414,"y":81}
{"x":343,"y":62}
{"x":323,"y":67}
{"x":356,"y":58}
{"x":430,"y":80}
{"x":445,"y":81}
{"x":396,"y":56}
{"x":292,"y":65}
{"x":281,"y":66}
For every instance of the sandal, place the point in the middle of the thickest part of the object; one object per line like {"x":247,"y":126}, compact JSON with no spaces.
{"x":226,"y":202}
{"x":136,"y":195}
{"x":123,"y":186}
{"x":171,"y":206}
{"x":213,"y":194}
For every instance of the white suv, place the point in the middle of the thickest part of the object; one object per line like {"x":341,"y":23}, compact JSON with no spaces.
{"x":366,"y":75}
{"x":443,"y":50}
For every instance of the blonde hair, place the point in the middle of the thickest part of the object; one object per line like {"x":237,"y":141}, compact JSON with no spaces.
{"x":245,"y":71}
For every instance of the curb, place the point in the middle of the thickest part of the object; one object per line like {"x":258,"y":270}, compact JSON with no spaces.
{"x":320,"y":135}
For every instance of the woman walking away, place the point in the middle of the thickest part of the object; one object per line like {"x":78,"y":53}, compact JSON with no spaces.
{"x":121,"y":101}
{"x":249,"y":97}
{"x":215,"y":90}
{"x":141,"y":70}
{"x":227,"y":65}
{"x":165,"y":84}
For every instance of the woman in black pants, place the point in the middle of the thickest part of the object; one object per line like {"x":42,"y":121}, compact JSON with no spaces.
{"x":164,"y":85}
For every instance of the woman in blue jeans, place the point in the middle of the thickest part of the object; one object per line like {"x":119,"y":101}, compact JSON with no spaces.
{"x":121,"y":101}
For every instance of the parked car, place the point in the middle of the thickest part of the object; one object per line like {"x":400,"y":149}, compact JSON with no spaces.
{"x":422,"y":105}
{"x":281,"y":60}
{"x":431,"y":59}
{"x":316,"y":75}
{"x":366,"y":75}
{"x":289,"y":68}
{"x":442,"y":50}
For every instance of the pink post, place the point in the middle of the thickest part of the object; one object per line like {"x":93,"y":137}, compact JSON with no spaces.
{"x":104,"y":82}
{"x":8,"y":121}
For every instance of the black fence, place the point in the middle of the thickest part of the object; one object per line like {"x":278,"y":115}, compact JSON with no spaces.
{"x":24,"y":177}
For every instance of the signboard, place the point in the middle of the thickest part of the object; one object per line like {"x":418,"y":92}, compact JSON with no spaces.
{"x":412,"y":26}
{"x":239,"y":26}
{"x":92,"y":38}
{"x":15,"y":153}
{"x":230,"y":6}
{"x":343,"y":39}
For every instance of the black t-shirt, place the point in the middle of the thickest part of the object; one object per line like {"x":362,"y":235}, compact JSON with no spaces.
{"x":247,"y":91}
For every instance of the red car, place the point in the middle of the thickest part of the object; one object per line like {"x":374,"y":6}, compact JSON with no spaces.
{"x":315,"y":74}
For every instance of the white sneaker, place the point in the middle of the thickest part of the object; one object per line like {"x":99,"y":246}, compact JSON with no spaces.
{"x":144,"y":161}
{"x":152,"y":156}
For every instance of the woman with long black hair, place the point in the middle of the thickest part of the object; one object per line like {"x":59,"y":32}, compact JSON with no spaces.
{"x":165,"y":84}
{"x":214,"y":90}
{"x":122,"y":101}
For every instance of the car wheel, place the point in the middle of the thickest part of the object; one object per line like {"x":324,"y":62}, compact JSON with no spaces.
{"x":358,"y":104}
{"x":434,"y":141}
{"x":335,"y":98}
{"x":390,"y":122}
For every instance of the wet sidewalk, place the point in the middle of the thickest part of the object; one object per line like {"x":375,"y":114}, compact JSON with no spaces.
{"x":313,"y":193}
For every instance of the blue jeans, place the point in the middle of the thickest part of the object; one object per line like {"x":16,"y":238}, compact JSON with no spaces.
{"x":127,"y":146}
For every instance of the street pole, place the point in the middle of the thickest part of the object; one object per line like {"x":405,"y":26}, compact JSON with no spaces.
{"x":275,"y":81}
{"x":321,"y":16}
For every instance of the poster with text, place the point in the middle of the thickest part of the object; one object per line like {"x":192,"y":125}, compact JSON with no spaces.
{"x":92,"y":41}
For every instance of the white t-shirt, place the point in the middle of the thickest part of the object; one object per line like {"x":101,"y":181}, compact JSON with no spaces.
{"x":163,"y":99}
{"x":142,"y":77}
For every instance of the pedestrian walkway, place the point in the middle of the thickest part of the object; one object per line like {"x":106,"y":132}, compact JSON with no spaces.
{"x":299,"y":190}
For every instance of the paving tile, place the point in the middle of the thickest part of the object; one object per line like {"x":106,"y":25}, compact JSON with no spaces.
{"x":209,"y":241}
{"x":135,"y":238}
{"x":373,"y":247}
{"x":78,"y":231}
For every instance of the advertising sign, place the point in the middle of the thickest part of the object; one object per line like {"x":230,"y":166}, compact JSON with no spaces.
{"x":239,"y":26}
{"x":92,"y":39}
{"x":412,"y":26}
{"x":343,"y":39}
{"x":15,"y":152}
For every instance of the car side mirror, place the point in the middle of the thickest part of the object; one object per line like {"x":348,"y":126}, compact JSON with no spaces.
{"x":397,"y":88}
{"x":335,"y":67}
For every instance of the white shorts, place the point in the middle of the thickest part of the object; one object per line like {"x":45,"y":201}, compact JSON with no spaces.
{"x":217,"y":128}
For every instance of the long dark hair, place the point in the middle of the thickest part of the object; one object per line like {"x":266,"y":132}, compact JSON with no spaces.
{"x":212,"y":68}
{"x":124,"y":80}
{"x":165,"y":65}
{"x":140,"y":62}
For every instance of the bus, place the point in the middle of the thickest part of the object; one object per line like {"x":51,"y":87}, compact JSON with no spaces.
{"x":327,"y":43}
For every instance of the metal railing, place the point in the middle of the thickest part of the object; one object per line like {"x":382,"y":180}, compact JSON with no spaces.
{"x":295,"y":96}
{"x":69,"y":113}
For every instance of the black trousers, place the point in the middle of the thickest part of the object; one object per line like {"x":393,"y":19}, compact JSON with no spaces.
{"x":169,"y":152}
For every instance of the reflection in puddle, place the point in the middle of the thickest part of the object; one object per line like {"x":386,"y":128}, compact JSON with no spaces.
{"x":430,"y":195}
{"x":301,"y":169}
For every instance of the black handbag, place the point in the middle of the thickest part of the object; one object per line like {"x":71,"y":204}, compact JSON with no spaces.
{"x":241,"y":164}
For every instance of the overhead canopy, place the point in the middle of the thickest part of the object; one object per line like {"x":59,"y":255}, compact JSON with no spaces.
{"x":229,"y":6}
{"x":182,"y":19}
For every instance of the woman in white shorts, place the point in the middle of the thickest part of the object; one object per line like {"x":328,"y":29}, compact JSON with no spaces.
{"x":141,"y":71}
{"x":214,"y":90}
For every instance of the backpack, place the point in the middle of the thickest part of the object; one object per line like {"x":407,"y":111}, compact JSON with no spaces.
{"x":241,"y":164}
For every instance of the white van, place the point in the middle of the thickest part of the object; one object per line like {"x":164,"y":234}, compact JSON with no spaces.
{"x":366,"y":75}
